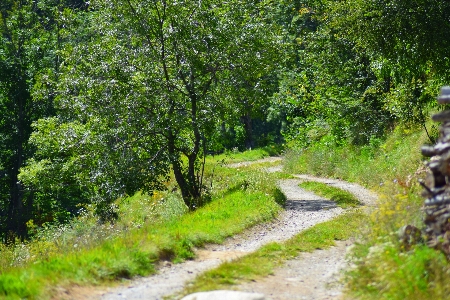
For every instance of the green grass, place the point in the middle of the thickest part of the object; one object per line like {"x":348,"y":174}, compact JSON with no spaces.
{"x":262,"y":262}
{"x":135,"y":252}
{"x":396,"y":158}
{"x":388,"y":273}
{"x":342,"y":198}
{"x":149,"y":229}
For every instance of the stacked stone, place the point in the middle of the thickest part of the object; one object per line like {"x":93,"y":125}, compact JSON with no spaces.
{"x":437,"y":184}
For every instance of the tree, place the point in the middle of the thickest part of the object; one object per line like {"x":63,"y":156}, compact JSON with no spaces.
{"x":407,"y":43}
{"x":147,"y":89}
{"x":410,"y":34}
{"x":328,"y":87}
{"x":30,"y":40}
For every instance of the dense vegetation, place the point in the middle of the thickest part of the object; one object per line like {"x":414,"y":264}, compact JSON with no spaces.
{"x":105,"y":98}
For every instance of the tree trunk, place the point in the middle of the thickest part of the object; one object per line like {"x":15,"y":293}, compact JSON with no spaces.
{"x":247,"y":122}
{"x":177,"y":169}
{"x":188,"y":182}
{"x":16,"y":218}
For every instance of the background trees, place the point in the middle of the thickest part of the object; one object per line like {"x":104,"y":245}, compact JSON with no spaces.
{"x":407,"y":44}
{"x":29,"y":34}
{"x":360,"y":66}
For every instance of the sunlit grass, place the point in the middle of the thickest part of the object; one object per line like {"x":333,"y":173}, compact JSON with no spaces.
{"x":230,"y":157}
{"x":397,"y":158}
{"x":149,"y":228}
{"x":387,"y":273}
{"x":133,"y":253}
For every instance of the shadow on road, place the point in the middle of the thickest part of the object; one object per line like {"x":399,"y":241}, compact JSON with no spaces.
{"x":310,"y":205}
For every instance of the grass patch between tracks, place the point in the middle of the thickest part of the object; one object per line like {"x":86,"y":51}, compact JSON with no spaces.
{"x":342,"y":198}
{"x":263,"y":261}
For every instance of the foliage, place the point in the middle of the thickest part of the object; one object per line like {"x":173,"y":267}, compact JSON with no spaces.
{"x":356,"y":68}
{"x":406,"y":42}
{"x":152,"y":102}
{"x":151,"y":87}
{"x":401,"y":31}
{"x":32,"y":35}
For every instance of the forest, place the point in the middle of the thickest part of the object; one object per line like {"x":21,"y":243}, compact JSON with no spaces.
{"x":100,"y":99}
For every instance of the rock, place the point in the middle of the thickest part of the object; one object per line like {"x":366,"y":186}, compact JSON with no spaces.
{"x":224,"y":295}
{"x":444,"y":96}
{"x":409,"y":236}
{"x":441,"y":117}
{"x":428,"y":151}
{"x":437,"y":191}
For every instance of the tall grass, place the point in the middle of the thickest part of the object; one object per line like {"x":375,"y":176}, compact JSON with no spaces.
{"x":382,"y":267}
{"x":395,"y":159}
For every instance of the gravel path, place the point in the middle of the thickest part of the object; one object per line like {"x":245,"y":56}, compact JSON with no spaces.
{"x":310,"y":276}
{"x":303,"y":210}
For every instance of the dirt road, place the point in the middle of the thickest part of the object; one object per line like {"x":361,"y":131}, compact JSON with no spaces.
{"x":310,"y":276}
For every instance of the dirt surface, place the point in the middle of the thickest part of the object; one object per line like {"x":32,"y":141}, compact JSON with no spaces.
{"x":307,"y":277}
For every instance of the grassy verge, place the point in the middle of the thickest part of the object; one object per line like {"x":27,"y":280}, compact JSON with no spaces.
{"x":342,"y":198}
{"x":149,"y":229}
{"x":263,"y":261}
{"x":395,"y":159}
{"x":383,"y":268}
{"x":135,"y":252}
